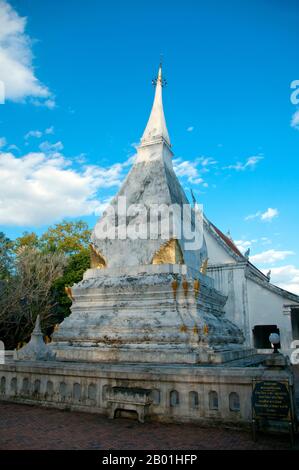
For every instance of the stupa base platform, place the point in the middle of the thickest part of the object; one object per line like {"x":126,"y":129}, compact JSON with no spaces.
{"x":211,"y":394}
{"x":152,"y":354}
{"x":153,"y":313}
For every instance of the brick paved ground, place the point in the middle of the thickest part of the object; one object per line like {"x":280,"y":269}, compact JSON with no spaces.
{"x":31,"y":427}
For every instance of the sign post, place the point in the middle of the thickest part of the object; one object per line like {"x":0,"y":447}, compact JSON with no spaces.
{"x":272,"y":401}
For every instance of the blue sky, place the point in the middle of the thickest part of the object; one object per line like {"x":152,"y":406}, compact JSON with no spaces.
{"x":77,"y":76}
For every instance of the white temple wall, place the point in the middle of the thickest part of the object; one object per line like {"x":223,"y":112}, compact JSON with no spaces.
{"x":216,"y":253}
{"x":266,"y":308}
{"x":250,"y":304}
{"x":230,"y":280}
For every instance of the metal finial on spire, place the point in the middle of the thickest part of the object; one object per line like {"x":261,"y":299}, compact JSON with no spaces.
{"x":159,"y":78}
{"x":156,"y":129}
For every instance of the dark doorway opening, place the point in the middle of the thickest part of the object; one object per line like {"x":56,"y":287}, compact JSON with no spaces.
{"x":295,"y":322}
{"x":261,"y":335}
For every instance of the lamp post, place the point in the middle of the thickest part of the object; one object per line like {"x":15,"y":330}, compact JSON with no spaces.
{"x":274,"y":338}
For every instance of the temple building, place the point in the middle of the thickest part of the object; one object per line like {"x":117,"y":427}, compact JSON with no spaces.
{"x":168,"y":321}
{"x":253,"y":303}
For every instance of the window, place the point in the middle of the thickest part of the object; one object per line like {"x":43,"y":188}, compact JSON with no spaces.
{"x":62,"y":390}
{"x":3,"y":385}
{"x":234,"y":402}
{"x":36,"y":386}
{"x":77,"y":391}
{"x":174,"y":398}
{"x":156,"y":396}
{"x":193,"y":400}
{"x":13,"y":385}
{"x":92,"y":391}
{"x":25,"y":386}
{"x":49,"y":387}
{"x":213,"y":400}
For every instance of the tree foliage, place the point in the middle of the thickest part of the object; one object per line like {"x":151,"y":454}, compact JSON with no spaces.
{"x":33,"y":274}
{"x":6,"y":256}
{"x":30,"y":240}
{"x":67,"y":237}
{"x":73,"y":273}
{"x":28,"y":293}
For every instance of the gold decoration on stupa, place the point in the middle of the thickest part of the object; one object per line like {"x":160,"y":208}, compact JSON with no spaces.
{"x":195,"y":330}
{"x":196,"y":287}
{"x":174,"y":286}
{"x":205,"y":329}
{"x":169,"y":253}
{"x":69,"y":293}
{"x":185,"y":286}
{"x":97,"y":261}
{"x":183,"y":328}
{"x":204,"y":266}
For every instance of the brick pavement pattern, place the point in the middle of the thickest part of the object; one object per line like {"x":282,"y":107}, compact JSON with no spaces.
{"x":32,"y":427}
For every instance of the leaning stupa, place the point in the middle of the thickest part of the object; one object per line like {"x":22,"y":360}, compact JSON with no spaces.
{"x":147,"y":331}
{"x":147,"y":297}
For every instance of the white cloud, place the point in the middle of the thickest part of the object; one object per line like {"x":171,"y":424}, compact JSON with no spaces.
{"x":48,"y":147}
{"x":40,"y":188}
{"x":295,"y":120}
{"x":185,"y":168}
{"x":16,"y":60}
{"x":188,"y":169}
{"x":48,"y":103}
{"x":266,"y":241}
{"x":207,"y":161}
{"x":250,"y":163}
{"x":190,"y":129}
{"x":49,"y":130}
{"x":270,"y":256}
{"x":286,"y":277}
{"x":243,"y":245}
{"x":253,"y":216}
{"x":266,"y":216}
{"x":269,"y":214}
{"x":13,"y":147}
{"x":3,"y":142}
{"x":37,"y":134}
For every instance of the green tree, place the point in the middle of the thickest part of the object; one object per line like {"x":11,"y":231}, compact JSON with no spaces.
{"x":73,"y":273}
{"x":6,"y":256}
{"x":67,"y":237}
{"x":28,"y":239}
{"x":34,"y":272}
{"x":27,"y":293}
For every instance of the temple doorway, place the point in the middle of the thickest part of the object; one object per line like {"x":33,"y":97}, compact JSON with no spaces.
{"x":261,"y":335}
{"x":295,"y":322}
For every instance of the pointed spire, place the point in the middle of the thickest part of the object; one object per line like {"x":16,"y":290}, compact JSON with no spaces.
{"x":156,"y":129}
{"x":37,"y":328}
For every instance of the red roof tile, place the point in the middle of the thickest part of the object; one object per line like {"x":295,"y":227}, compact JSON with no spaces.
{"x":227,"y":240}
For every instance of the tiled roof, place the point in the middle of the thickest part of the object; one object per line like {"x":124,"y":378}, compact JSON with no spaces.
{"x":227,"y":240}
